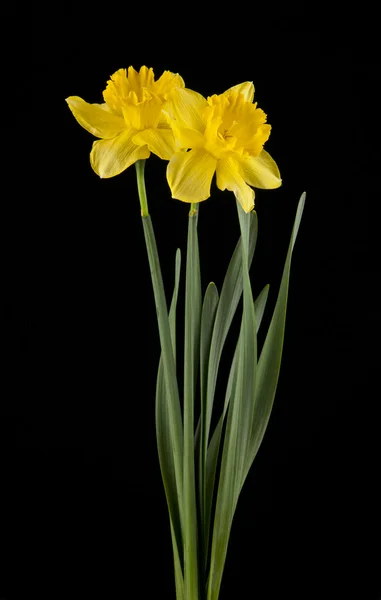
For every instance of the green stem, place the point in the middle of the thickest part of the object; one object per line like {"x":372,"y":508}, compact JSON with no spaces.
{"x":174,"y":410}
{"x":191,"y":357}
{"x":140,"y":165}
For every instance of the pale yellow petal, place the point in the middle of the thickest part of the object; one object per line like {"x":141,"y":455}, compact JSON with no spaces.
{"x":110,"y":157}
{"x":159,"y":141}
{"x":187,"y":138}
{"x":190,"y":174}
{"x":187,"y":106}
{"x":229,"y":177}
{"x":96,"y":118}
{"x":260,"y":171}
{"x":246,"y":88}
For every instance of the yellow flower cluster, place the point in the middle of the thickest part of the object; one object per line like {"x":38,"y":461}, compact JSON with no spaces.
{"x":223,"y":134}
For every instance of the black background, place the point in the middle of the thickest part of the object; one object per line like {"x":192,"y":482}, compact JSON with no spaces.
{"x":83,"y":509}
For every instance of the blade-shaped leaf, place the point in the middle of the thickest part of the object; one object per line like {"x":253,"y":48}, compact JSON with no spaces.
{"x":260,"y":305}
{"x":247,"y":420}
{"x":227,"y":305}
{"x":214,"y":446}
{"x":169,"y":368}
{"x":208,"y":315}
{"x":270,"y":358}
{"x":179,"y":578}
{"x":164,"y":439}
{"x":248,"y":354}
{"x":237,"y":434}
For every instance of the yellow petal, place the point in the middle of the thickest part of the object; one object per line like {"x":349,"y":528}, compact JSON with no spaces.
{"x":111,"y":157}
{"x":187,"y":138}
{"x":187,"y":106}
{"x":117,"y":89}
{"x":229,"y":177}
{"x":260,"y":171}
{"x":96,"y":118}
{"x":190,"y":174}
{"x":246,"y":88}
{"x":145,"y":115}
{"x":159,"y":141}
{"x":138,"y":81}
{"x":166,"y":82}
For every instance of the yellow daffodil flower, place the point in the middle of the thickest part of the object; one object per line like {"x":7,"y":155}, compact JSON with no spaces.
{"x":131,"y":122}
{"x":222,"y":134}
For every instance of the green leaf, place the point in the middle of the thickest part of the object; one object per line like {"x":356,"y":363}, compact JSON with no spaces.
{"x":260,"y":305}
{"x":165,"y":443}
{"x":227,"y":305}
{"x":179,"y":578}
{"x":214,"y":446}
{"x":169,"y":367}
{"x":250,"y":404}
{"x":237,"y":434}
{"x":247,"y":359}
{"x":207,"y":322}
{"x":271,"y":355}
{"x":191,"y":361}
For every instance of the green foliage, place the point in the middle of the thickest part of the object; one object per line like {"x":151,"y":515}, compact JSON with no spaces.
{"x":196,"y":490}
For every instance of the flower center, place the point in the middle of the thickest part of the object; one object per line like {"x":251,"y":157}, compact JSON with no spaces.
{"x":234,"y":125}
{"x":224,"y":135}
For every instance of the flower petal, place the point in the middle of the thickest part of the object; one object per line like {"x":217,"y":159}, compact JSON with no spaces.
{"x":260,"y":171}
{"x":138,"y":81}
{"x":246,"y":88}
{"x":187,"y":138}
{"x":96,"y":118}
{"x":159,"y":141}
{"x":190,"y":174}
{"x":145,"y":115}
{"x":229,"y":177}
{"x":111,"y":157}
{"x":187,"y":106}
{"x":166,"y":82}
{"x":117,"y":87}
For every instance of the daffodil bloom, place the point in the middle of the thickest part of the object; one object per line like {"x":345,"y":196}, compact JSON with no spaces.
{"x":131,"y":122}
{"x":223,"y":134}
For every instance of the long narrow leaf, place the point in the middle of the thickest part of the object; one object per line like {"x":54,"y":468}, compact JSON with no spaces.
{"x":171,"y":416}
{"x":179,"y":577}
{"x":214,"y":446}
{"x":227,"y":305}
{"x":208,"y":315}
{"x":237,"y":433}
{"x":164,"y":445}
{"x":225,"y":504}
{"x":248,"y":412}
{"x":172,"y":392}
{"x":248,"y":354}
{"x":271,"y":355}
{"x":260,"y":305}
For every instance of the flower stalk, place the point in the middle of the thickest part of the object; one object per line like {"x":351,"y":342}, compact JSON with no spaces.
{"x":169,"y":368}
{"x":191,"y":361}
{"x":140,"y":166}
